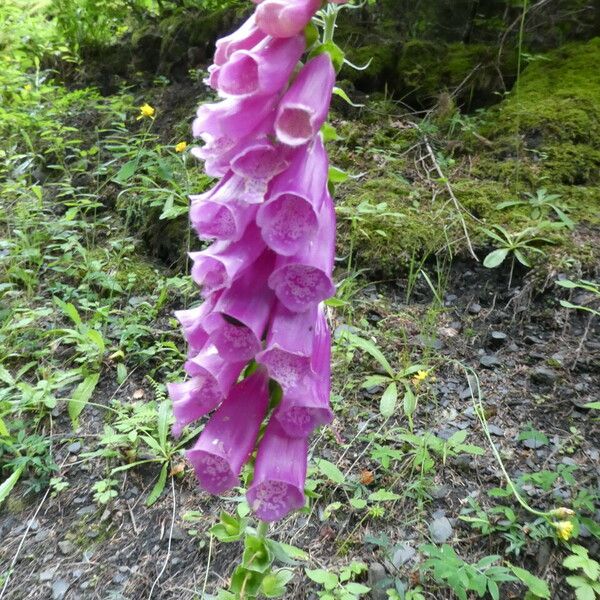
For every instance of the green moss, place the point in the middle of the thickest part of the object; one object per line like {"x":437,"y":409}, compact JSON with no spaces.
{"x":381,"y":69}
{"x":551,"y":124}
{"x":425,"y":69}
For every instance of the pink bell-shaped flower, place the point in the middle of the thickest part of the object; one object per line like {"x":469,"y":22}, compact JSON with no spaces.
{"x":289,"y":217}
{"x":304,"y":107}
{"x":304,"y":280}
{"x":261,"y":71}
{"x":244,"y":38}
{"x":285,"y":18}
{"x":211,"y":380}
{"x":228,"y":439}
{"x":279,"y":474}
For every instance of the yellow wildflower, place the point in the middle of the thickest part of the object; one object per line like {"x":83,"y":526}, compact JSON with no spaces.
{"x":146,"y":111}
{"x":27,"y":87}
{"x":564,"y":529}
{"x":181,"y":147}
{"x":420,"y":377}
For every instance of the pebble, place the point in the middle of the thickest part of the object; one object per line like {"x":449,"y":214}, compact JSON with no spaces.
{"x":441,"y":530}
{"x":47,"y":574}
{"x":74,"y":448}
{"x":440,"y":491}
{"x":377,"y":579}
{"x":403,"y":554}
{"x":489,"y":361}
{"x":495,"y":430}
{"x":59,"y":589}
{"x":544,"y":375}
{"x":66,"y":547}
{"x":474,"y":308}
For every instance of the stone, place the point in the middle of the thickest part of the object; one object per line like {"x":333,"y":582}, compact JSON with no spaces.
{"x":66,"y":547}
{"x":74,"y":448}
{"x":543,"y":375}
{"x":495,"y":430}
{"x":404,"y":553}
{"x":377,"y":581}
{"x":59,"y":589}
{"x":47,"y":574}
{"x":441,"y":530}
{"x":489,"y":361}
{"x":474,"y":308}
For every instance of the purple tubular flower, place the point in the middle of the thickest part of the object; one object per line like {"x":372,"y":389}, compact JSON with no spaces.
{"x":289,"y":346}
{"x":303,"y":280}
{"x":211,"y":380}
{"x":216,"y":267}
{"x":244,"y":310}
{"x":304,"y":107}
{"x":227,"y":121}
{"x":230,"y":435}
{"x":244,"y":38}
{"x":279,"y":474}
{"x":289,"y":218}
{"x":284,"y":18}
{"x":263,"y":70}
{"x":193,"y":322}
{"x":304,"y":408}
{"x":225,"y":211}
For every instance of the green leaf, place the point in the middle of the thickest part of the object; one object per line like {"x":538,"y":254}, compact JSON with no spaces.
{"x":257,"y":555}
{"x":522,"y":258}
{"x":358,"y":503}
{"x":387,"y":405}
{"x":3,"y":428}
{"x":286,"y":553}
{"x":337,"y":175}
{"x":127,"y":171}
{"x":329,"y":133}
{"x":370,"y":348}
{"x":81,"y":396}
{"x":7,"y":486}
{"x":334,"y":51}
{"x":6,"y":377}
{"x":593,"y":405}
{"x":534,"y":584}
{"x":159,"y":486}
{"x":357,"y":588}
{"x":330,"y":471}
{"x":164,"y":415}
{"x":496,"y":258}
{"x":383,"y":496}
{"x":409,"y":402}
{"x":248,"y":581}
{"x":325,"y":578}
{"x":273,"y":585}
{"x":97,"y":339}
{"x":342,"y":94}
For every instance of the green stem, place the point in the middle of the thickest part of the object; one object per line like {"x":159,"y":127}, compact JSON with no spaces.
{"x":329,"y":18}
{"x":262,"y":529}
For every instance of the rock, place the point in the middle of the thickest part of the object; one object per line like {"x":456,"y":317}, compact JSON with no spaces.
{"x":440,"y":491}
{"x":377,"y":581}
{"x":474,"y":308}
{"x":59,"y":589}
{"x":74,"y":448}
{"x":66,"y":547}
{"x":543,"y":375}
{"x":495,"y":430}
{"x":47,"y":574}
{"x":489,"y":361}
{"x":425,"y":341}
{"x":497,"y":338}
{"x":441,"y":530}
{"x":403,"y":554}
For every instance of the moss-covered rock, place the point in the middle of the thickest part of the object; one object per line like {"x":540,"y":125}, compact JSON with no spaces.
{"x":550,"y":123}
{"x":425,"y":69}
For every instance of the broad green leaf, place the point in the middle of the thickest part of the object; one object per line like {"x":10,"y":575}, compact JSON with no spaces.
{"x":387,"y":405}
{"x":370,"y":348}
{"x":534,"y":584}
{"x":337,"y":175}
{"x":374,"y":380}
{"x":81,"y":396}
{"x":127,"y":171}
{"x":164,"y":414}
{"x":6,"y":376}
{"x":330,"y":471}
{"x":593,"y":405}
{"x":383,"y":496}
{"x":496,"y":258}
{"x":409,"y":402}
{"x":273,"y":585}
{"x":7,"y":486}
{"x":3,"y":428}
{"x":357,"y":588}
{"x":325,"y":578}
{"x":159,"y":486}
